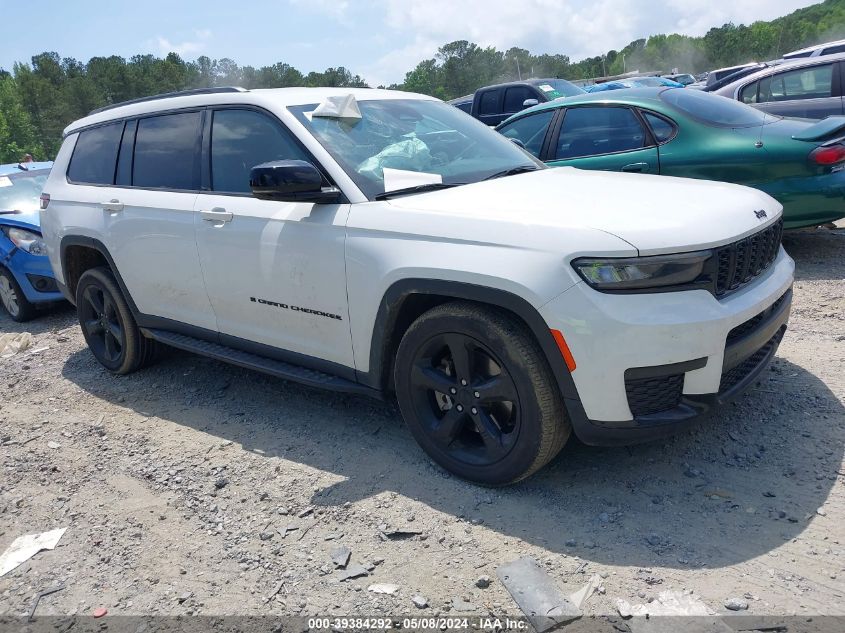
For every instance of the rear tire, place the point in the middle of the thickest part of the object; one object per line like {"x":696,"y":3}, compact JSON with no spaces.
{"x":478,"y":394}
{"x":108,"y":326}
{"x":13,"y":299}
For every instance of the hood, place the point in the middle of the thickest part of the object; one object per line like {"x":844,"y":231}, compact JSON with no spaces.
{"x":655,"y":214}
{"x":30,"y":220}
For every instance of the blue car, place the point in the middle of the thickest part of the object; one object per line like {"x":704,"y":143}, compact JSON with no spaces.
{"x":635,"y":82}
{"x":26,"y":279}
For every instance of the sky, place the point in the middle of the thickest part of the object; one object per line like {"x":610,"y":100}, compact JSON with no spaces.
{"x":378,"y":39}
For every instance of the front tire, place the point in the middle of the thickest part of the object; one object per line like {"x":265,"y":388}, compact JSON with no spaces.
{"x":108,"y":326}
{"x":13,"y":299}
{"x":478,"y":394}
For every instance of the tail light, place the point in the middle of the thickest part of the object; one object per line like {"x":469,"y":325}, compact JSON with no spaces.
{"x":44,"y":200}
{"x":828,"y":154}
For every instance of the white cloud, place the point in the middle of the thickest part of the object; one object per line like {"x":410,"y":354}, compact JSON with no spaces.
{"x":578,"y":28}
{"x":188,"y":47}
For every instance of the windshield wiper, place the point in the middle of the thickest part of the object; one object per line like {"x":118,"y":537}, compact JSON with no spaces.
{"x":432,"y":186}
{"x":513,"y":171}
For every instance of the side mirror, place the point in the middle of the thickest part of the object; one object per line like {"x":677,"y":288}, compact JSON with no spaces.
{"x":517,"y":142}
{"x":530,"y":102}
{"x":290,"y":181}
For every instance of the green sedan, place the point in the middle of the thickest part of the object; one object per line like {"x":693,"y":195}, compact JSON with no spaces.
{"x":693,"y":134}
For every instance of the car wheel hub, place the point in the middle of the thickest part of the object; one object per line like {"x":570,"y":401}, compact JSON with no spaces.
{"x":466,"y":399}
{"x":8,"y":296}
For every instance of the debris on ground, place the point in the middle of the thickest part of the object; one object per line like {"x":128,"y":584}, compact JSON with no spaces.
{"x":38,"y":597}
{"x":399,"y":534}
{"x":99,"y":612}
{"x":482,"y":582}
{"x":25,"y":547}
{"x":340,"y":556}
{"x":14,"y":343}
{"x":383,"y":588}
{"x":355,"y":570}
{"x":736,"y":604}
{"x":580,"y":597}
{"x":536,"y":594}
{"x":419,"y":601}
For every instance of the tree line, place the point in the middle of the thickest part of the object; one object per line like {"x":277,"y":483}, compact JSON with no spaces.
{"x":38,"y":99}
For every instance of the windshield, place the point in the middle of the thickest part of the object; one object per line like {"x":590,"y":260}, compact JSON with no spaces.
{"x":431,"y":138}
{"x":20,"y":192}
{"x":715,"y":110}
{"x":556,"y":88}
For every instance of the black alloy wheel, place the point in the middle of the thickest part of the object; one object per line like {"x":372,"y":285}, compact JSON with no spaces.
{"x":478,"y":395}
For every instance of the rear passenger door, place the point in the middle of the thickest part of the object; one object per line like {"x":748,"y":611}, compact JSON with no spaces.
{"x":146,"y":210}
{"x":275,"y":271}
{"x":609,"y":138}
{"x":812,"y":92}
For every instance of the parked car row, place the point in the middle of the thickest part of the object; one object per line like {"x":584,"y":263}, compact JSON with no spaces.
{"x":386,"y":244}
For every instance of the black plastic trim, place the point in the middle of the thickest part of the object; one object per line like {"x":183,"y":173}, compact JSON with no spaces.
{"x":391,"y":305}
{"x":656,"y":371}
{"x":744,"y":347}
{"x":231,"y":352}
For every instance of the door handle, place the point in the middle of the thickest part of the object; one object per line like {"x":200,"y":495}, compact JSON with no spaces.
{"x":217,"y":214}
{"x":113,"y":205}
{"x":636,"y":167}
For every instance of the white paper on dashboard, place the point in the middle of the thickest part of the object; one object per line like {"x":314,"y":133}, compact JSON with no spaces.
{"x":400,"y":179}
{"x":5,"y":181}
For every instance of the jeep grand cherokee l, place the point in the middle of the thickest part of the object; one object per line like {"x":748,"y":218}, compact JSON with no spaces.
{"x":381,"y":242}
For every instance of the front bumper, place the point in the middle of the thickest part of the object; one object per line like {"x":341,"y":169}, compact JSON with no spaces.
{"x":651,"y":364}
{"x":34,"y":275}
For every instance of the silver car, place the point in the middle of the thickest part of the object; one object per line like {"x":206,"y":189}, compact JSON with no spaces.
{"x":809,"y":88}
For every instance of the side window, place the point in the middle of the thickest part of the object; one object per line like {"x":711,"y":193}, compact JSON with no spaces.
{"x":515,"y":96}
{"x":166,"y":152}
{"x":531,"y":130}
{"x":242,"y":139}
{"x":661,"y":128}
{"x":830,"y":50}
{"x":489,"y":102}
{"x":95,"y":155}
{"x":749,"y":93}
{"x":803,"y":83}
{"x":589,"y":131}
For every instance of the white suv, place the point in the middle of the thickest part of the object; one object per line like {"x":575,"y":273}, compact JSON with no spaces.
{"x":383,"y":243}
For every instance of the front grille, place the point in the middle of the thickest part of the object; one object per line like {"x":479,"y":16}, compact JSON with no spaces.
{"x":742,"y":261}
{"x":751,"y":324}
{"x":734,"y":376}
{"x":654,"y":395}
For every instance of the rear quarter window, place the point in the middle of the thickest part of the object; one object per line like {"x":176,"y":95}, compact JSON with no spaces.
{"x":95,"y":155}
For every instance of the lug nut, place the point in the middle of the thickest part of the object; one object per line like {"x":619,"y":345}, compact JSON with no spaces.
{"x":463,"y":382}
{"x":476,"y":394}
{"x":460,"y":408}
{"x":453,"y":391}
{"x":474,"y":411}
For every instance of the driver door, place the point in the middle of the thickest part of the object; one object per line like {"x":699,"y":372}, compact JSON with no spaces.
{"x":274,"y":271}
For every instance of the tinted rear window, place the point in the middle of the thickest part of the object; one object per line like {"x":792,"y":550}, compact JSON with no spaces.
{"x":489,"y":102}
{"x":515,"y":96}
{"x":715,"y":110}
{"x":166,"y":152}
{"x":95,"y":155}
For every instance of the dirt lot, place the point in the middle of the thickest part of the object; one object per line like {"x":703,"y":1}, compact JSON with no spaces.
{"x":195,"y":487}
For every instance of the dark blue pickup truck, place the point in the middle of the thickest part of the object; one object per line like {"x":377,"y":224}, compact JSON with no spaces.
{"x":494,"y":104}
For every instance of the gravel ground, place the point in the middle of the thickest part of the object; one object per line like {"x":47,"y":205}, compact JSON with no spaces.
{"x":195,"y":487}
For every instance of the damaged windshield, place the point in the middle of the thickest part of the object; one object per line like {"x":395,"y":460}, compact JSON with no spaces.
{"x":418,"y":141}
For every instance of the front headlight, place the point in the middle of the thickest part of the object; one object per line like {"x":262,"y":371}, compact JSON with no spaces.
{"x":642,"y":273}
{"x":27,"y":241}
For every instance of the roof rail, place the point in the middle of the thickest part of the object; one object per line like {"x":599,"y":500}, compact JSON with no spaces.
{"x":167,"y":95}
